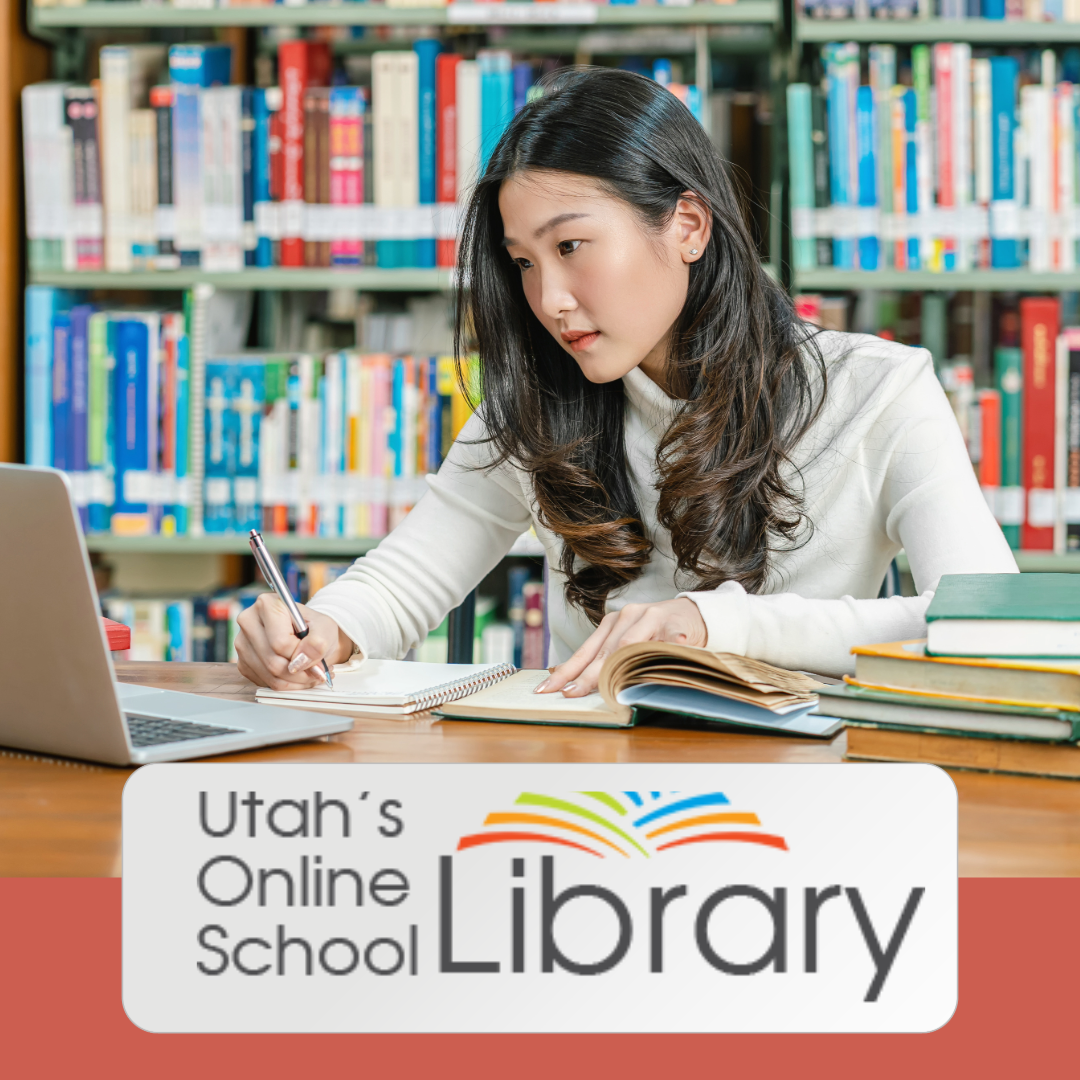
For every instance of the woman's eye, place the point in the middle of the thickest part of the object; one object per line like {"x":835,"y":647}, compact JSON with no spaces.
{"x":523,"y":264}
{"x":568,"y":247}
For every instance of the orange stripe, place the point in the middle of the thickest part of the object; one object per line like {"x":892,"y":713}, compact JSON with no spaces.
{"x":768,"y":839}
{"x":503,"y":837}
{"x":708,"y":819}
{"x":542,"y":819}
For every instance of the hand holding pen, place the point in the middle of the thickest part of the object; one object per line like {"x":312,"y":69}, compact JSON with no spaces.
{"x":272,"y":575}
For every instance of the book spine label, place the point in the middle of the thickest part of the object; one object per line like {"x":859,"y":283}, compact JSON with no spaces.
{"x":1039,"y":321}
{"x":346,"y":165}
{"x":131,"y":436}
{"x":446,"y":67}
{"x":293,"y":73}
{"x":247,"y":173}
{"x":82,"y":117}
{"x":166,"y":257}
{"x":801,"y":162}
{"x":61,"y":389}
{"x":426,"y":51}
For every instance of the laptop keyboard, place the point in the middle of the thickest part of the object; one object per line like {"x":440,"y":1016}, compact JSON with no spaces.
{"x":153,"y":731}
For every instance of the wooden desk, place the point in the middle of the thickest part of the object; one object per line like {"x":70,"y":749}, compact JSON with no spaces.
{"x":60,"y":818}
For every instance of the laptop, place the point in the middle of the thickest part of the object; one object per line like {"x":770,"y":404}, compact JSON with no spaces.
{"x":58,"y":692}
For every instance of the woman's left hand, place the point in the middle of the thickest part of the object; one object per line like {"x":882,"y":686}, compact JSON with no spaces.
{"x":678,"y":621}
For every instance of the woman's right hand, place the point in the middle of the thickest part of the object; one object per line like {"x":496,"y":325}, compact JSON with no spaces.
{"x":269,"y":653}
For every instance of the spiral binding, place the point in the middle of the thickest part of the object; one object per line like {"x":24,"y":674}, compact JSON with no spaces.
{"x":459,"y":688}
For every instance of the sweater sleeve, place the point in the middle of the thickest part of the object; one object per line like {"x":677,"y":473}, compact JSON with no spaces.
{"x":929,"y":503}
{"x":389,"y":599}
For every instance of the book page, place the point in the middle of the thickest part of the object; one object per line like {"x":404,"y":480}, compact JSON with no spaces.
{"x":514,"y":699}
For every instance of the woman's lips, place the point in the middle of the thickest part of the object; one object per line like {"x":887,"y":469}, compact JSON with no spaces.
{"x":579,"y":339}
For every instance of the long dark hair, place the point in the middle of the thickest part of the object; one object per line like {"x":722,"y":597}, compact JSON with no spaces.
{"x":741,"y":361}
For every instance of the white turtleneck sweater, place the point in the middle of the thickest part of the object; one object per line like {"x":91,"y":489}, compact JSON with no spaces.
{"x":883,"y":467}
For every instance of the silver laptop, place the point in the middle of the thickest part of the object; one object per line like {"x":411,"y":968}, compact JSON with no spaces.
{"x":58,"y":693}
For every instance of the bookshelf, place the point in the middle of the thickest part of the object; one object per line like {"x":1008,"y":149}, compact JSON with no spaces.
{"x":828,"y":278}
{"x":363,"y":279}
{"x":120,"y":14}
{"x":911,"y":31}
{"x":747,"y":28}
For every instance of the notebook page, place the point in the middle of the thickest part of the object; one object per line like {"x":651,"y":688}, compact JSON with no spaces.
{"x":384,"y":682}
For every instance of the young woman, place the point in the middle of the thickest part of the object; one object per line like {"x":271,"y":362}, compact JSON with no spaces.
{"x":700,"y":465}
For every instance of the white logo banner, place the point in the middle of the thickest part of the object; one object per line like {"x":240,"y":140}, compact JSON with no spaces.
{"x":539,"y":898}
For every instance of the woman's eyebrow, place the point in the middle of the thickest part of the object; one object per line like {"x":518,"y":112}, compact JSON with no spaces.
{"x":547,"y":227}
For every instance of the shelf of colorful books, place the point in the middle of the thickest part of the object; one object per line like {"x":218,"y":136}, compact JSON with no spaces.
{"x":237,"y":544}
{"x":120,"y":13}
{"x":364,"y":279}
{"x":1030,"y":562}
{"x":748,"y":40}
{"x":927,"y":280}
{"x":976,"y":31}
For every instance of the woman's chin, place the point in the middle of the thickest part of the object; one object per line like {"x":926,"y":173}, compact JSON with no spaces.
{"x":598,"y":369}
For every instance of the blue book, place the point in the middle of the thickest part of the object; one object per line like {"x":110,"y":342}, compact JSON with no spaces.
{"x":61,"y":389}
{"x":839,"y":145}
{"x":42,"y":303}
{"x":260,"y":173}
{"x":247,"y":154}
{"x":183,"y":429}
{"x":249,"y":379}
{"x":993,"y":9}
{"x":427,"y":49}
{"x":131,"y":426}
{"x":220,"y":454}
{"x":1004,"y":77}
{"x":867,"y":163}
{"x":496,"y":100}
{"x":192,"y":67}
{"x":197,"y":64}
{"x":523,"y":79}
{"x":78,"y":352}
{"x":911,"y":172}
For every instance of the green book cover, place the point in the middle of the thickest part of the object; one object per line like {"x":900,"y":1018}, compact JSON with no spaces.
{"x":1009,"y":382}
{"x":1006,"y":596}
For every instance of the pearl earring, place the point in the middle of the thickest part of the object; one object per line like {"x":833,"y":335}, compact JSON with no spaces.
{"x":693,"y":251}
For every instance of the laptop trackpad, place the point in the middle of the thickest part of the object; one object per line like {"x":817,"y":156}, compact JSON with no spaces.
{"x":148,"y":701}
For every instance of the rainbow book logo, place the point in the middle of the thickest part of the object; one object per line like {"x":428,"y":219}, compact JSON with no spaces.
{"x":628,"y":823}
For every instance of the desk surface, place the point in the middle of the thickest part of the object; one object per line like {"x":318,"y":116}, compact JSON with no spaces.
{"x":60,"y":818}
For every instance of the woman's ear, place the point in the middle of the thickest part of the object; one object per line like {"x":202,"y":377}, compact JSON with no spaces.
{"x":692,"y":225}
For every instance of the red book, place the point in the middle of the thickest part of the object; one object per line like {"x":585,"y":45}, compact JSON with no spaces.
{"x":1040,"y":317}
{"x":300,"y":64}
{"x":117,"y":634}
{"x":990,"y":438}
{"x":446,"y":145}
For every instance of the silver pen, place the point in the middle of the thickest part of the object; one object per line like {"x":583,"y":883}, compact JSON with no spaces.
{"x":272,"y":575}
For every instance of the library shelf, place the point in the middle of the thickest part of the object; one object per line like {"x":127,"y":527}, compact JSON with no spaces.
{"x":929,"y":281}
{"x":904,"y":31}
{"x":123,"y":13}
{"x":236,"y":544}
{"x":369,"y":279}
{"x":1030,"y":562}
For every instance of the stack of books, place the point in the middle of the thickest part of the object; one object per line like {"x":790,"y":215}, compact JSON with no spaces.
{"x":995,"y":685}
{"x":939,"y":161}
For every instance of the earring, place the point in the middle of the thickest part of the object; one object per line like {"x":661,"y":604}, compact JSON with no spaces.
{"x":693,"y":251}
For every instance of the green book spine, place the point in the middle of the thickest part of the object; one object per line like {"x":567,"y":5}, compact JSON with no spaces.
{"x":1009,"y":381}
{"x":801,"y":169}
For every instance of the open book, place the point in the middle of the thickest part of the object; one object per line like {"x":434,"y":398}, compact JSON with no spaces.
{"x":669,"y":678}
{"x":391,"y":687}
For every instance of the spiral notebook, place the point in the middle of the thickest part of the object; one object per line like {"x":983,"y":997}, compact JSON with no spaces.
{"x":391,"y":687}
